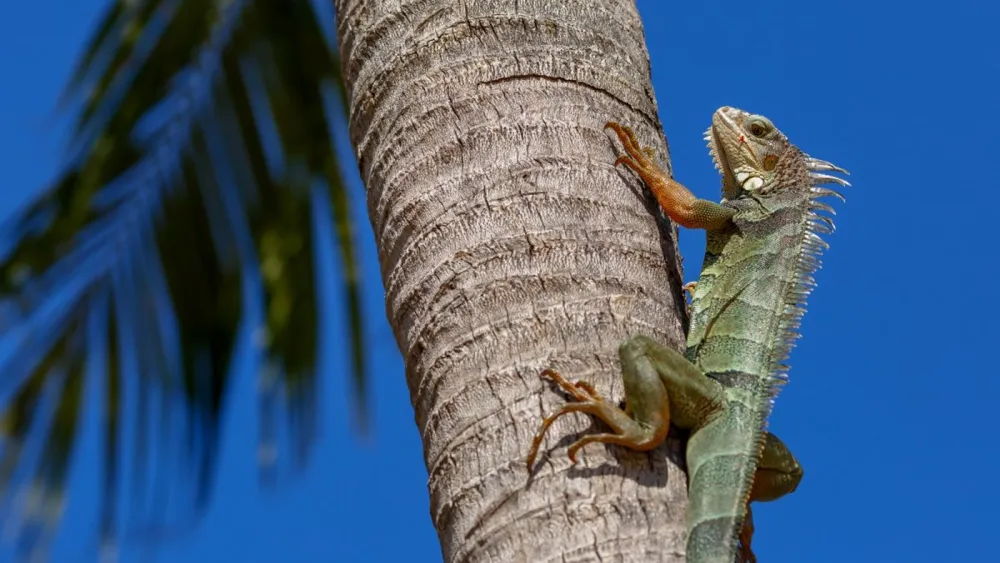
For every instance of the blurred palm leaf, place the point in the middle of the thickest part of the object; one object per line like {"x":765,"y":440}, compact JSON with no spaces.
{"x":202,"y":135}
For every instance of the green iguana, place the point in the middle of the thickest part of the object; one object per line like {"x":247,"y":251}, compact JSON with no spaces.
{"x":762,"y":247}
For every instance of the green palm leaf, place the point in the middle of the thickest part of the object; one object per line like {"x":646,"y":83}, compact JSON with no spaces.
{"x":203,"y":134}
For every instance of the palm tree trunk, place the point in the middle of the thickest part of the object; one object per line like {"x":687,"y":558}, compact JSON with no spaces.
{"x":509,"y":243}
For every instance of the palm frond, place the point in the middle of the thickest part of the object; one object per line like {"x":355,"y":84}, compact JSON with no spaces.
{"x":203,"y":130}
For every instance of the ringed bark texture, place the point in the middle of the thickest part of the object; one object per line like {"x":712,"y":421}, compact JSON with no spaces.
{"x":509,"y":243}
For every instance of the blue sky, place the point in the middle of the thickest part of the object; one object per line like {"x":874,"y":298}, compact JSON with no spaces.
{"x":893,"y":388}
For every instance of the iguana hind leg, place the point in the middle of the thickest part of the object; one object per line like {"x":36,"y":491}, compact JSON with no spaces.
{"x":627,"y":433}
{"x":778,"y":473}
{"x":660,"y":385}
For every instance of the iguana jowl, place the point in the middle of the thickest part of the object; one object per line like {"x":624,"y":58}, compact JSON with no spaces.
{"x":762,"y":247}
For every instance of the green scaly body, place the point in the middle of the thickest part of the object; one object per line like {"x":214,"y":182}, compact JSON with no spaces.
{"x":744,"y":313}
{"x":762,"y":247}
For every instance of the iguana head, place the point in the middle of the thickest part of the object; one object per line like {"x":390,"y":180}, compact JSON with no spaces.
{"x":756,"y":159}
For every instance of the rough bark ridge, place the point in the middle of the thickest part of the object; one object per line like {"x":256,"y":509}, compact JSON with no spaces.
{"x":509,"y":243}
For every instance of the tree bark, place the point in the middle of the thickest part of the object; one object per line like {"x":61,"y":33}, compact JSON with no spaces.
{"x":509,"y":243}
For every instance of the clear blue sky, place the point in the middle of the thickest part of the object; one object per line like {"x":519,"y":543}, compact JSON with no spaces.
{"x":893,"y":389}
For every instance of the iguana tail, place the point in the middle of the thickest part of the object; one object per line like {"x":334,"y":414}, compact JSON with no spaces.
{"x":720,"y":456}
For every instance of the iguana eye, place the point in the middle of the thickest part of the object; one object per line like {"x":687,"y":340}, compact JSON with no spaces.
{"x":757,"y":129}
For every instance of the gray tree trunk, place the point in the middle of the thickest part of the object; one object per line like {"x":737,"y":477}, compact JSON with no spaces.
{"x":509,"y":243}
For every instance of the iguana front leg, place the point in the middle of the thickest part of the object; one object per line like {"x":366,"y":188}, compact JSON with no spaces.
{"x":676,"y":200}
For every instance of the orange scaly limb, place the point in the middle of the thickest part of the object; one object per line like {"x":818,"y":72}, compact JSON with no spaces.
{"x":676,"y":200}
